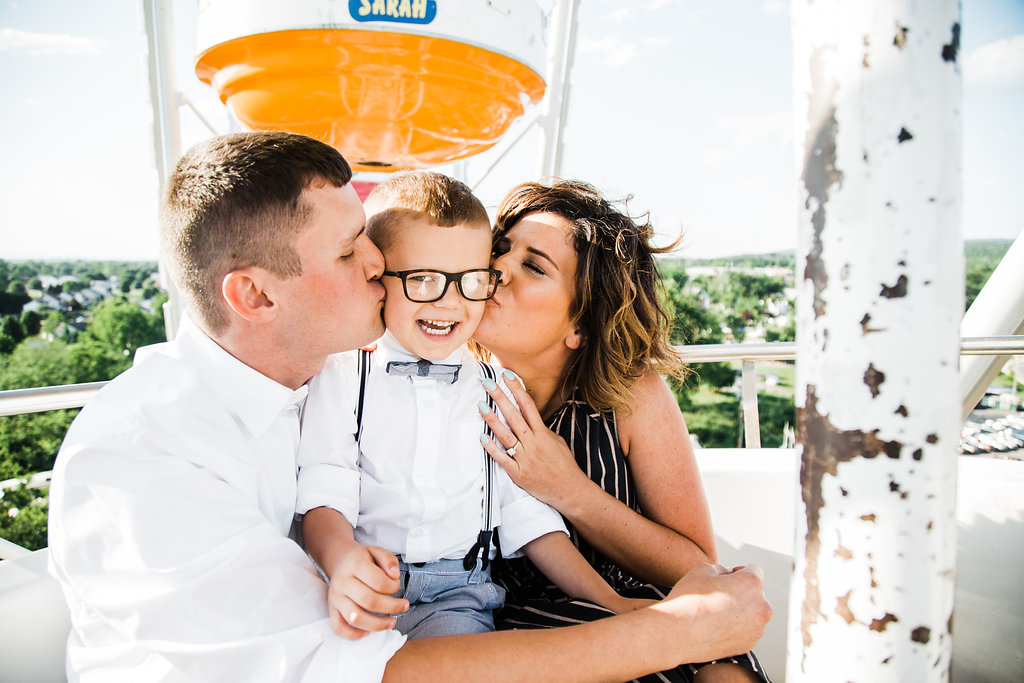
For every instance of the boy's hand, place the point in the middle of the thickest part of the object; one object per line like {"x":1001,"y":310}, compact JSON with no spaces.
{"x":362,"y":584}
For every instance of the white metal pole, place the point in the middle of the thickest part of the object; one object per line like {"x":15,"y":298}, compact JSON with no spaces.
{"x":880,"y":260}
{"x":561,"y":47}
{"x":159,"y":23}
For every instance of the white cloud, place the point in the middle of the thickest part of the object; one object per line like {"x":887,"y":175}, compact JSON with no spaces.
{"x":739,"y":133}
{"x":618,"y":15}
{"x":615,"y":51}
{"x":28,"y":43}
{"x":744,"y":130}
{"x":996,"y":66}
{"x":32,"y":102}
{"x":656,"y":42}
{"x":775,"y":7}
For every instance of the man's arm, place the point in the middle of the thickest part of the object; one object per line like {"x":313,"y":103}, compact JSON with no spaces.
{"x":710,"y":613}
{"x":180,"y":573}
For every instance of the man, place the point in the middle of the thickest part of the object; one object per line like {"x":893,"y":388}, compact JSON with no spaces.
{"x":174,"y":493}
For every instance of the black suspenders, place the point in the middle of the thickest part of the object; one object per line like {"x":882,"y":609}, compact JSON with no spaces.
{"x":481,"y":549}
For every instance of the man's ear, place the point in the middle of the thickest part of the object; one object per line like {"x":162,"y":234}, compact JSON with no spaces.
{"x":574,"y":339}
{"x":244,"y":290}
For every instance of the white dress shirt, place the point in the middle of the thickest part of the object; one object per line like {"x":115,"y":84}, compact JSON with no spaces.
{"x":170,"y":507}
{"x":414,"y":485}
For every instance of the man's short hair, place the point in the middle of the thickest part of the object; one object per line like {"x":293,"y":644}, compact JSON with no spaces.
{"x":235,"y":201}
{"x":445,"y":201}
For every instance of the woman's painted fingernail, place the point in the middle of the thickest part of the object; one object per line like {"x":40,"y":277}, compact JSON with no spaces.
{"x":489,"y":384}
{"x":509,"y":375}
{"x":483,"y":407}
{"x":484,"y":440}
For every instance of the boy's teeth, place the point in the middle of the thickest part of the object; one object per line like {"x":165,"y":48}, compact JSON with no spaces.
{"x":438,"y":327}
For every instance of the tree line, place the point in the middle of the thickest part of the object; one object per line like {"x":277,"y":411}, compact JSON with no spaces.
{"x":73,"y":344}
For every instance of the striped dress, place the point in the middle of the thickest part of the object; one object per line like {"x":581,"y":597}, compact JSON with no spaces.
{"x":532,"y":600}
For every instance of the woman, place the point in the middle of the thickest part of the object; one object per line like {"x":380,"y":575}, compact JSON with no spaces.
{"x":600,"y":437}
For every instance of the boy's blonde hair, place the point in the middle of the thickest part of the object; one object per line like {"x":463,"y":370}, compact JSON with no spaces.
{"x":446,"y":201}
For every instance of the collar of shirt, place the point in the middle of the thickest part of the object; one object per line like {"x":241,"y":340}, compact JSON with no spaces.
{"x":256,"y":399}
{"x":388,"y":349}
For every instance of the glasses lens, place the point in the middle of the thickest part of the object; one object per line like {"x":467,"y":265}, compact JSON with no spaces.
{"x":425,"y":285}
{"x":478,"y":284}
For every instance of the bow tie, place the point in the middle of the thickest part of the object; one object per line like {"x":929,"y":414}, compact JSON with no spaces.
{"x":424,"y":368}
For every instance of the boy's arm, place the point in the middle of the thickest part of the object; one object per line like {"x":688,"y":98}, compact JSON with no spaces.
{"x":711,"y":613}
{"x":362,"y":578}
{"x":556,"y":556}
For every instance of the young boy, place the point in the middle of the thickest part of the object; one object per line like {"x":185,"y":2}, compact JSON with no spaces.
{"x":415,"y":481}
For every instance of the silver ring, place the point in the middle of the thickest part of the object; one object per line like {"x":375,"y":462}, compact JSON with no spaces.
{"x":515,"y":449}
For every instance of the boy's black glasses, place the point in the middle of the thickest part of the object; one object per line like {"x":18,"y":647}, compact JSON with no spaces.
{"x":424,"y":286}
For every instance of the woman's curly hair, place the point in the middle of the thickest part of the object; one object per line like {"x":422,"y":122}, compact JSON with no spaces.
{"x":617,"y":305}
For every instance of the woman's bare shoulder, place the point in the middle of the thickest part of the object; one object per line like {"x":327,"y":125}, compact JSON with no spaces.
{"x":651,"y":402}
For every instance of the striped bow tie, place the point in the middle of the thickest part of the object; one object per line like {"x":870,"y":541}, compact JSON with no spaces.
{"x":424,"y":368}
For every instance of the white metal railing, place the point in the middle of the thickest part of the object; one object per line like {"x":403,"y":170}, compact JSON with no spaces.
{"x":41,"y":399}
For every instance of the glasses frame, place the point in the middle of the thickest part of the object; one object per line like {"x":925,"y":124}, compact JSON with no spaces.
{"x":448,"y":279}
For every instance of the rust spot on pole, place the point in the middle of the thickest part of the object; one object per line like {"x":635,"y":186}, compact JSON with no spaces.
{"x":932,"y":438}
{"x":900,"y":39}
{"x":873,"y":378}
{"x":897,"y":290}
{"x":918,"y":454}
{"x":825,"y":447}
{"x":902,"y":411}
{"x":921,"y":634}
{"x":865,"y":327}
{"x":904,"y":135}
{"x":879,"y":625}
{"x":949,"y":52}
{"x":843,"y":608}
{"x":844,"y":553}
{"x":868,"y":518}
{"x":820,"y":172}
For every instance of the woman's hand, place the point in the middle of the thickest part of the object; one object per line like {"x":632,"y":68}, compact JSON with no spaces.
{"x":535,"y":458}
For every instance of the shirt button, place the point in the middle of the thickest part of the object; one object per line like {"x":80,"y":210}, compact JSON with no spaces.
{"x":416,"y":533}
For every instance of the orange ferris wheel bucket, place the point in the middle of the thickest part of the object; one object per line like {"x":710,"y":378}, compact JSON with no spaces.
{"x":391,"y":84}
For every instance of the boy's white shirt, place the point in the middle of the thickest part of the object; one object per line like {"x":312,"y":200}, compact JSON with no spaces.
{"x":415,"y":485}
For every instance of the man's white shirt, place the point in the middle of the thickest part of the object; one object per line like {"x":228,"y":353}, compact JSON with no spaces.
{"x":414,"y":485}
{"x":170,"y":509}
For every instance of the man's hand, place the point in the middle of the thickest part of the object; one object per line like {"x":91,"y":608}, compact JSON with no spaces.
{"x":718,"y":612}
{"x":361,"y":587}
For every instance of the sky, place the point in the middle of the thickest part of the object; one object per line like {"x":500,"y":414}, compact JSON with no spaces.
{"x":685,"y":105}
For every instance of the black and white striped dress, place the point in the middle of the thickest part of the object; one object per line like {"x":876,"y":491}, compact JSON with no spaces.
{"x":532,"y":600}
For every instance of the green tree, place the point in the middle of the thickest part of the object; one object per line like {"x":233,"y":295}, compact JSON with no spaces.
{"x":774,"y":333}
{"x":36,"y":284}
{"x":123,"y":327}
{"x":72,"y":286}
{"x":7,"y":344}
{"x":12,"y":300}
{"x":107,"y":347}
{"x":38,"y":366}
{"x":691,"y":324}
{"x":29,"y":443}
{"x":12,"y":326}
{"x":31,"y":321}
{"x":23,"y":516}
